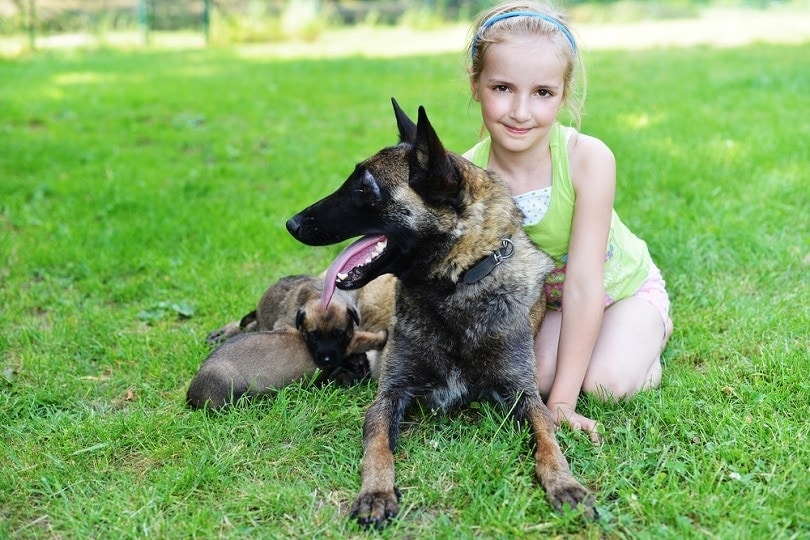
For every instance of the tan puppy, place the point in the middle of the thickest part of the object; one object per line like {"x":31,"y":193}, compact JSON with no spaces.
{"x":277,"y":309}
{"x":294,"y":302}
{"x":375,"y":302}
{"x":291,"y":298}
{"x":257,"y":363}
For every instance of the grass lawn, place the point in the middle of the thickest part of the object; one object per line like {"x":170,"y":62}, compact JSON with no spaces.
{"x":143,"y":197}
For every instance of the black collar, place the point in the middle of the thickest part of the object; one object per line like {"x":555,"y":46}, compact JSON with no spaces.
{"x":482,"y":268}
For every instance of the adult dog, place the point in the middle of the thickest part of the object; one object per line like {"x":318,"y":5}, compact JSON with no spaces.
{"x":468,"y":301}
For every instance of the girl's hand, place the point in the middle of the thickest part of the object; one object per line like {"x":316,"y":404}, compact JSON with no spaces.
{"x":562,"y":413}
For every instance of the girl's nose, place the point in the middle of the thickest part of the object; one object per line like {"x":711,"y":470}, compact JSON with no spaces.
{"x":520,"y":109}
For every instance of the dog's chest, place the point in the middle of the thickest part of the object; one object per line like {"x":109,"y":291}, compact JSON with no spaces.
{"x":455,"y":389}
{"x":450,"y":392}
{"x":464,"y":320}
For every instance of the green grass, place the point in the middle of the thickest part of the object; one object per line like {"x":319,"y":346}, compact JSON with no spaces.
{"x":142,"y":203}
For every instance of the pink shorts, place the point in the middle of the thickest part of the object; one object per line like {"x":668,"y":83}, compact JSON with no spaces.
{"x":654,"y":291}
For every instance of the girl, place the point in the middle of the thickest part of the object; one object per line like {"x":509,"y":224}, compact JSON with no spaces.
{"x":608,"y":320}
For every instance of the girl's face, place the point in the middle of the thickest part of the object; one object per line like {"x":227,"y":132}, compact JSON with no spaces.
{"x":520,"y":88}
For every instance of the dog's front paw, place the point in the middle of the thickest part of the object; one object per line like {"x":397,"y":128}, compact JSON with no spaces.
{"x":566,"y":490}
{"x":375,"y":508}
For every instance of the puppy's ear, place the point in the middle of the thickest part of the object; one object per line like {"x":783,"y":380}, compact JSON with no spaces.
{"x":353,"y":314}
{"x":299,"y":318}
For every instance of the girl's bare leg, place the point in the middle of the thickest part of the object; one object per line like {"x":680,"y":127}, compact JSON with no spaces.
{"x":626,"y":356}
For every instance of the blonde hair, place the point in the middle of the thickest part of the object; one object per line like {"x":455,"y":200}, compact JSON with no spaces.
{"x":531,"y":18}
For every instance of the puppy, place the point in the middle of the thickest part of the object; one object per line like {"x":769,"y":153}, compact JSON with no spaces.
{"x":257,"y":363}
{"x":375,"y":302}
{"x":295,"y":302}
{"x":277,"y":309}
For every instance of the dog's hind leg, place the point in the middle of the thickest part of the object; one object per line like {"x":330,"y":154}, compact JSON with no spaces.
{"x":220,"y":335}
{"x":379,"y":497}
{"x":550,"y":465}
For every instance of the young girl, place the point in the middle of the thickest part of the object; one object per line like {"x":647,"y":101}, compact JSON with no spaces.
{"x":608,"y":320}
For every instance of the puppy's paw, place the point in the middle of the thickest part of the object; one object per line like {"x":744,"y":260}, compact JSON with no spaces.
{"x":355,"y":369}
{"x":374,"y":509}
{"x":567,"y":491}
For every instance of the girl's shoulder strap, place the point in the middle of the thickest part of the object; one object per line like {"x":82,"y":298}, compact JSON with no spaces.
{"x":479,"y":154}
{"x":560,"y":135}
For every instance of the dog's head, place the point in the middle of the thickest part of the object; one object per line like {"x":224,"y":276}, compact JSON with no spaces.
{"x":403,"y":201}
{"x":327,"y":331}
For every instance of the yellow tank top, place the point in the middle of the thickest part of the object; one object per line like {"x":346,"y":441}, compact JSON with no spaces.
{"x":627,"y":260}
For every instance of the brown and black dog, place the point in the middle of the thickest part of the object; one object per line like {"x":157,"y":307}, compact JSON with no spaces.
{"x":468,"y":299}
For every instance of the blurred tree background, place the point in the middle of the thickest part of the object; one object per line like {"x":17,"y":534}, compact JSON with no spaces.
{"x":244,"y":21}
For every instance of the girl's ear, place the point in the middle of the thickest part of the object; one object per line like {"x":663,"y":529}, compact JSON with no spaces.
{"x":473,"y":86}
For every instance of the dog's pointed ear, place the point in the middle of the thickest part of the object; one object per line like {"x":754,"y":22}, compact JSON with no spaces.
{"x":407,"y":129}
{"x":432,"y":173}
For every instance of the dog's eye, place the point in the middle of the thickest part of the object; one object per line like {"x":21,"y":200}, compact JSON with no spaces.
{"x":368,"y":186}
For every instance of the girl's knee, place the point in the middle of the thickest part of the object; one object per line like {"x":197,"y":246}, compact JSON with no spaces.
{"x":614,"y":382}
{"x":609,"y":389}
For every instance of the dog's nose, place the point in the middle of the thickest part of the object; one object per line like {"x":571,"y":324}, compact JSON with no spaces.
{"x":324,"y":359}
{"x":294,"y":225}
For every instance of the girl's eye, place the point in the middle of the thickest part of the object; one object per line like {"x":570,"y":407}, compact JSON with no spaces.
{"x":543,"y":93}
{"x":501,"y":88}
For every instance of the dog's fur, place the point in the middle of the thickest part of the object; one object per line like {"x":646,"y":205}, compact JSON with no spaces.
{"x":257,"y":363}
{"x":451,"y":341}
{"x":294,"y":302}
{"x":375,"y":302}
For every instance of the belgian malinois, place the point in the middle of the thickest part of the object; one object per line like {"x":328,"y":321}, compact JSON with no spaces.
{"x":468,"y":300}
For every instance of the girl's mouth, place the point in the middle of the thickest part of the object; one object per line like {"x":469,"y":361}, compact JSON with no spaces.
{"x":517,"y":131}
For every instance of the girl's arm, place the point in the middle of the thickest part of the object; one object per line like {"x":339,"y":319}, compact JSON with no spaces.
{"x":593,"y":173}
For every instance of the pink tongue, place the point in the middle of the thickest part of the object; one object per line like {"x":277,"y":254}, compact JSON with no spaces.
{"x":354,"y":255}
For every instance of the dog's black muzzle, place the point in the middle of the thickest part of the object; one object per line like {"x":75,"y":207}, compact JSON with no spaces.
{"x":325,"y":357}
{"x":308,"y":229}
{"x":295,"y":225}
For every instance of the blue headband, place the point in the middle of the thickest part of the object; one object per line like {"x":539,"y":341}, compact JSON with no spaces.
{"x":511,"y":14}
